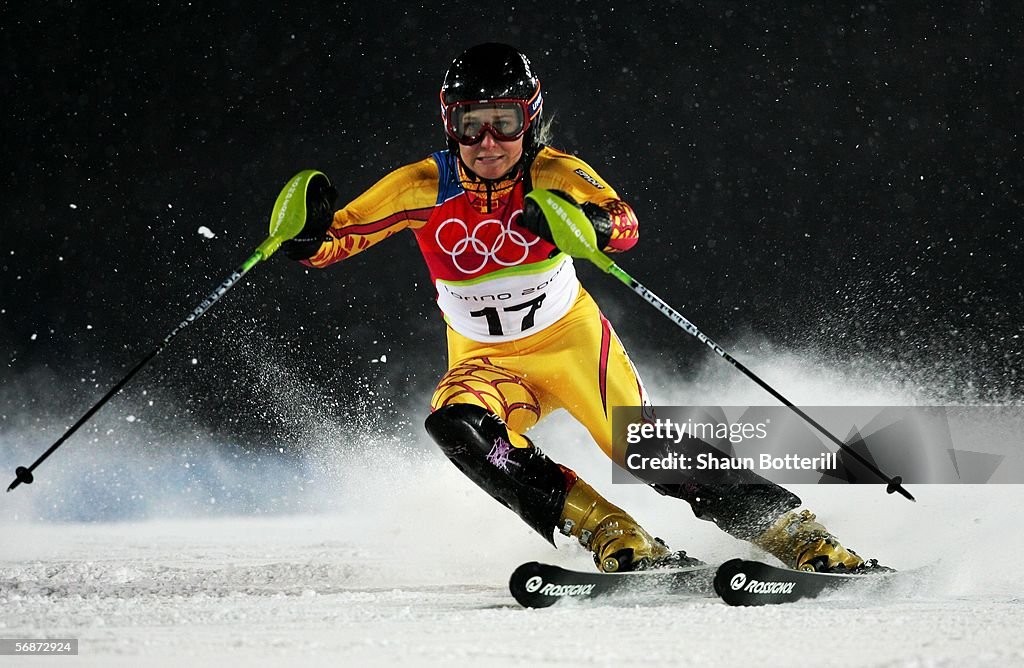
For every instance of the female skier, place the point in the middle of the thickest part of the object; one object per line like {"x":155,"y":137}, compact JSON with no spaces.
{"x":524,"y":337}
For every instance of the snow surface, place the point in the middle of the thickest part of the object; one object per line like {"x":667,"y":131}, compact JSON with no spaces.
{"x":385,"y":555}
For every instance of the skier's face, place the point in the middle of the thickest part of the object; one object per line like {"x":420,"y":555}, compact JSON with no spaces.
{"x":490,"y":158}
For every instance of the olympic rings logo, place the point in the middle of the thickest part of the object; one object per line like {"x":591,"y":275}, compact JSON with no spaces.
{"x":471,"y":251}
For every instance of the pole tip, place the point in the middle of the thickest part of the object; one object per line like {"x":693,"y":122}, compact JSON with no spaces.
{"x":896,"y":485}
{"x":22,"y":475}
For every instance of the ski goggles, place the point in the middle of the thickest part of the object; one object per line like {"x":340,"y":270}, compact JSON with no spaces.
{"x":506,"y":120}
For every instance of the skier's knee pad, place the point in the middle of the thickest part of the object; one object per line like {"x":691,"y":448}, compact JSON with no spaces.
{"x":522,"y":478}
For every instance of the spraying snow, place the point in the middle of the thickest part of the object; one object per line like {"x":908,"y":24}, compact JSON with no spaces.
{"x":371,"y":549}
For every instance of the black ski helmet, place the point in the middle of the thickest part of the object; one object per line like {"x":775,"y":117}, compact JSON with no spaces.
{"x":493,"y":71}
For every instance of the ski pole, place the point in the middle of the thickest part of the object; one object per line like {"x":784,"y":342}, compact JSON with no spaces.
{"x":287,"y":220}
{"x":574,"y":235}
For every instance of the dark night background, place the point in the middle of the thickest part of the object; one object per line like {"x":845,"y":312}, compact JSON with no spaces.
{"x":845,"y":180}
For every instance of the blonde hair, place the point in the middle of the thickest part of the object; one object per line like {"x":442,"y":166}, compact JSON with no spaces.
{"x":543,"y":133}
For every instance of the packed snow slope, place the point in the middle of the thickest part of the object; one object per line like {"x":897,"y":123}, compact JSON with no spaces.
{"x":371,"y":550}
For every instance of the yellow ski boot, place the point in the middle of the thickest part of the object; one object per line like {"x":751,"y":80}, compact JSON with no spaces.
{"x":615,"y":538}
{"x":802,"y":543}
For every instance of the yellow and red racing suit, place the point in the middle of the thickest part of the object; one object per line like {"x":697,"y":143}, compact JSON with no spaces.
{"x":524,"y":337}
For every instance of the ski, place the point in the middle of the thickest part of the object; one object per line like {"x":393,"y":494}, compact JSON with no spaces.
{"x":737,"y":582}
{"x":744,"y":582}
{"x":537,"y":585}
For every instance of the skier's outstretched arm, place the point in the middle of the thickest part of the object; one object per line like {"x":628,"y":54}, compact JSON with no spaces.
{"x":404,"y":198}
